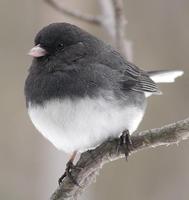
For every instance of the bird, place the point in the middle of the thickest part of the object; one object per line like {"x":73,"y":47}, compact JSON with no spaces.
{"x":80,"y":91}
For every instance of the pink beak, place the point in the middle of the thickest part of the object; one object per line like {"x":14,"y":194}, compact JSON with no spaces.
{"x":37,"y":51}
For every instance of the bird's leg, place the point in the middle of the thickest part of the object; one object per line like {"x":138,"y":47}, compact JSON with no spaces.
{"x":69,"y":167}
{"x":125,"y":142}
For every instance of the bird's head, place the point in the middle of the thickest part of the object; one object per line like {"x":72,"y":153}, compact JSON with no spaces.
{"x":63,"y":39}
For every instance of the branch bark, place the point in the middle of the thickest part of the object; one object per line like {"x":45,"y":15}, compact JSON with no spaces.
{"x":91,"y":161}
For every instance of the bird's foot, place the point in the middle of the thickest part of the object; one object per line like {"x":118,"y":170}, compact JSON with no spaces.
{"x":125,"y":142}
{"x":68,"y":172}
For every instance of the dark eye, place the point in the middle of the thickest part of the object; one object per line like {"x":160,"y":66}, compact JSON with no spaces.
{"x":60,"y":46}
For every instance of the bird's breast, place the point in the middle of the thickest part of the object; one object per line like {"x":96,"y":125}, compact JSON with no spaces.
{"x":80,"y":124}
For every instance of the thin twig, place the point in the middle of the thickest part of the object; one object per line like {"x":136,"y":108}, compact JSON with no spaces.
{"x":91,"y":161}
{"x":74,"y":13}
{"x":122,"y":43}
{"x":120,"y":23}
{"x":108,"y":18}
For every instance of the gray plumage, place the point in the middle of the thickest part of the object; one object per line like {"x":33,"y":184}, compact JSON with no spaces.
{"x":79,"y":66}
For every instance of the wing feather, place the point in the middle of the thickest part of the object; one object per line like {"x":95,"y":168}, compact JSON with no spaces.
{"x":138,"y":80}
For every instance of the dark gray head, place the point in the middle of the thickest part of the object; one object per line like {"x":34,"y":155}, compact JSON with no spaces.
{"x":63,"y":63}
{"x":62,"y":38}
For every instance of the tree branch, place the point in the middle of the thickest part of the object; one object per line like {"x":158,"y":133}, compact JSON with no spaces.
{"x":74,"y":13}
{"x":108,"y":18}
{"x":120,"y":23}
{"x":114,"y":22}
{"x":91,"y":161}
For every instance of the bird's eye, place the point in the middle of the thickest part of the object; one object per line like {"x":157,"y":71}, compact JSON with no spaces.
{"x":60,"y":46}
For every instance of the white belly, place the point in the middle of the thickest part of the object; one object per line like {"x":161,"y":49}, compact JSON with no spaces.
{"x":82,"y":124}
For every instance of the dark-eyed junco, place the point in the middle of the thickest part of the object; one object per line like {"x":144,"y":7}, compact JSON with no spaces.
{"x":81,"y":91}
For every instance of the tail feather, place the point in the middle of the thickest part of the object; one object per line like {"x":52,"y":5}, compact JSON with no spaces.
{"x":165,"y":76}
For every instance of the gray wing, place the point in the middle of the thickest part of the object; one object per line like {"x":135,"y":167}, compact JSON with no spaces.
{"x":138,"y":80}
{"x":129,"y":75}
{"x":132,"y":77}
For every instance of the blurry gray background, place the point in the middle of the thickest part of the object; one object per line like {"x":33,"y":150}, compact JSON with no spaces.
{"x":30,"y":165}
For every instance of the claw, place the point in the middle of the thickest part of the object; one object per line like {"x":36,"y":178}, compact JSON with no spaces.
{"x":126,"y":143}
{"x":69,"y":167}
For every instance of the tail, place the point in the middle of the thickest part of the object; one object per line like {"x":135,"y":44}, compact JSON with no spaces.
{"x":164,"y":76}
